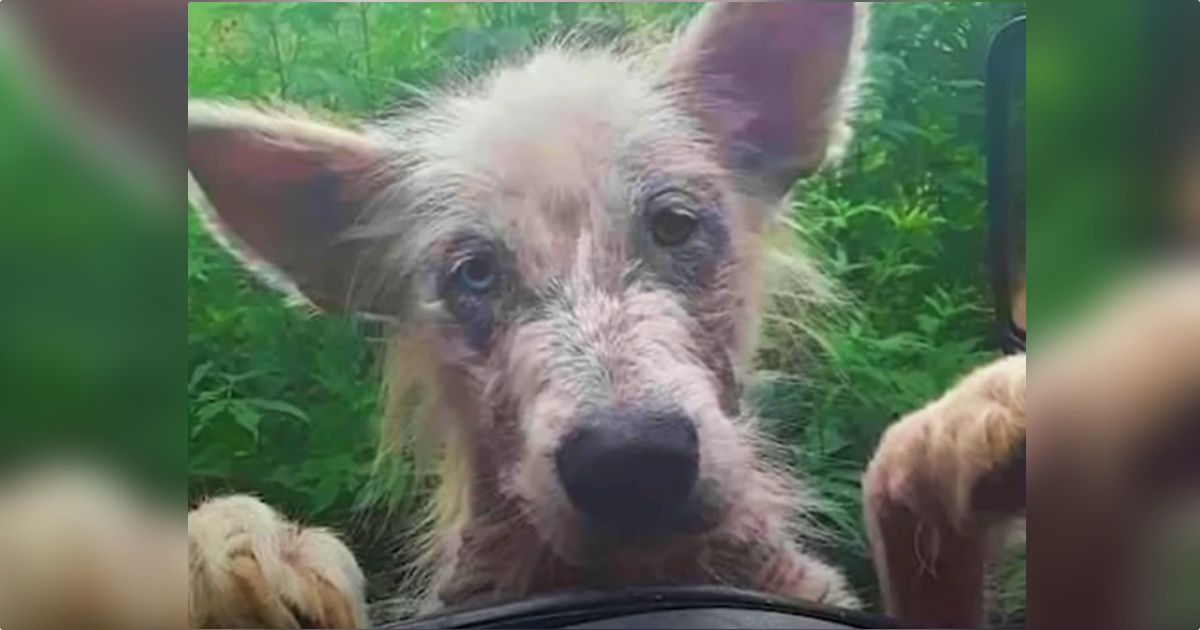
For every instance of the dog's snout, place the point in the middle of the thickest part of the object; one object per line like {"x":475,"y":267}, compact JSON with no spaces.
{"x":630,"y":468}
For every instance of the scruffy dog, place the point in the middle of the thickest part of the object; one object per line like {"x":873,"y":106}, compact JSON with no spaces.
{"x":571,"y":251}
{"x":571,"y":255}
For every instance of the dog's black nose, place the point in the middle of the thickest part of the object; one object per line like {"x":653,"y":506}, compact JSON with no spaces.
{"x":630,"y":468}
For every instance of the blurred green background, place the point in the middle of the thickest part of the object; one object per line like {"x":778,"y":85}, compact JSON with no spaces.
{"x":282,"y":404}
{"x":91,"y":316}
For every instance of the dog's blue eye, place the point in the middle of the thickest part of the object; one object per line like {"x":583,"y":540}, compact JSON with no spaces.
{"x":475,"y":274}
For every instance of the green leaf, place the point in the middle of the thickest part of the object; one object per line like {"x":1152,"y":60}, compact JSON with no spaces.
{"x":928,"y":325}
{"x":198,"y":375}
{"x":280,"y":407}
{"x":246,"y":417}
{"x":326,"y":492}
{"x":209,"y":411}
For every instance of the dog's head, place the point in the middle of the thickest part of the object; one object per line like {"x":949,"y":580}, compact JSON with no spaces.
{"x":574,"y":243}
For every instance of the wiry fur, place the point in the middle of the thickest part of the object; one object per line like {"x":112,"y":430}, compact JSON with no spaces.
{"x":552,"y":160}
{"x":458,"y":144}
{"x":248,"y":567}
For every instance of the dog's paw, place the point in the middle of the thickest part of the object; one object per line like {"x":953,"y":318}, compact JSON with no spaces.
{"x":959,"y":456}
{"x":941,"y":484}
{"x":250,"y":568}
{"x":79,"y":550}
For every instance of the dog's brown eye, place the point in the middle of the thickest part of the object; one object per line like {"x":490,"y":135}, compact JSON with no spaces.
{"x":672,"y":224}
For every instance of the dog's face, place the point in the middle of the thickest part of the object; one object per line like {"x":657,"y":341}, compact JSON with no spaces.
{"x":575,"y":244}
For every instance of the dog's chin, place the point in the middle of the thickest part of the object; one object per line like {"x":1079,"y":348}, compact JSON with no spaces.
{"x":658,"y":534}
{"x":572,"y":536}
{"x":699,"y":515}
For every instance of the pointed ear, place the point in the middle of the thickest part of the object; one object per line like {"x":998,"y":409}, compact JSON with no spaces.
{"x":282,"y":193}
{"x":774,"y":81}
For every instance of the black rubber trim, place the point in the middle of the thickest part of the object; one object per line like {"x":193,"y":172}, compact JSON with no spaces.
{"x":563,"y":610}
{"x":1006,"y":64}
{"x":1016,"y":341}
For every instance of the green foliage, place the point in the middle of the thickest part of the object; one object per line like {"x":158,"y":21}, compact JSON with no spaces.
{"x":281,"y":402}
{"x":89,"y":314}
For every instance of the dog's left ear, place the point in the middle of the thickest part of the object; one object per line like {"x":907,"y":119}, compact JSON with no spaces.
{"x":774,"y":82}
{"x":285,"y":192}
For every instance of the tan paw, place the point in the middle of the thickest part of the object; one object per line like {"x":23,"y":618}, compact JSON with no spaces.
{"x":941,"y":482}
{"x":250,"y":568}
{"x":79,"y":550}
{"x":936,"y":462}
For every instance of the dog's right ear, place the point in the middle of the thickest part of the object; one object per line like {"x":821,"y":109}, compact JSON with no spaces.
{"x":282,"y":192}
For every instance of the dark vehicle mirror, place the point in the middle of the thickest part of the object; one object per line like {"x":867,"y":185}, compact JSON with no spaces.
{"x":1006,"y":182}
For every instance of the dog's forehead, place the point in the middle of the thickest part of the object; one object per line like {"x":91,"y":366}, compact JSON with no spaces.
{"x":560,"y":149}
{"x":563,"y":115}
{"x":553,"y":156}
{"x":565,"y":135}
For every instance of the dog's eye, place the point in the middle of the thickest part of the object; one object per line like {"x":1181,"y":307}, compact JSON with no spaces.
{"x":476,"y":274}
{"x":672,"y":221}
